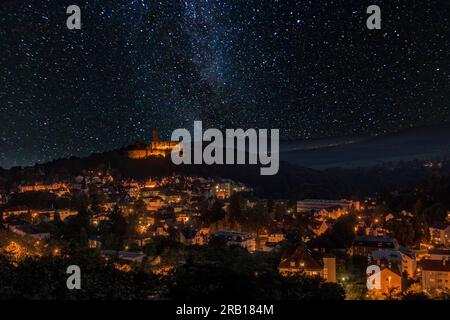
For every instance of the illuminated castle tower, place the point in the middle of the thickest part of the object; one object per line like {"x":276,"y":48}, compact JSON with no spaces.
{"x":155,"y":135}
{"x":155,"y":149}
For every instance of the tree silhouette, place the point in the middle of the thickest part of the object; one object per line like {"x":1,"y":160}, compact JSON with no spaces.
{"x":235,"y":209}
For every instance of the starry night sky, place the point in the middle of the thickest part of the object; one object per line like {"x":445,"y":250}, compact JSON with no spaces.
{"x":310,"y":68}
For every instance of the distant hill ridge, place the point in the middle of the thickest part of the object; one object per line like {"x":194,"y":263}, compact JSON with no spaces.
{"x":423,"y":143}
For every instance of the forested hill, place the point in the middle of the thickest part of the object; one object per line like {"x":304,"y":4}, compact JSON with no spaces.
{"x":291,"y":182}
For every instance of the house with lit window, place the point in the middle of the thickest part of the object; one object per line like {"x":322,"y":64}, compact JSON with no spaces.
{"x":323,"y":227}
{"x":440,"y":235}
{"x":304,"y":261}
{"x":435,"y":274}
{"x":222,"y":190}
{"x":403,"y":258}
{"x":390,"y":280}
{"x":201,"y":237}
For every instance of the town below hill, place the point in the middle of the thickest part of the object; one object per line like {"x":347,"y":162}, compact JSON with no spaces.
{"x":211,"y":232}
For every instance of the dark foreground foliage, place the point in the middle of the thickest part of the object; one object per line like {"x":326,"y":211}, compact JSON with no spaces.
{"x":211,"y":273}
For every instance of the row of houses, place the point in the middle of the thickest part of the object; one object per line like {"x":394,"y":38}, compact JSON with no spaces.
{"x":44,"y":215}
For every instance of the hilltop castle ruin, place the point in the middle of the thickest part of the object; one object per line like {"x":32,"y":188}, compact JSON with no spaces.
{"x":155,"y":149}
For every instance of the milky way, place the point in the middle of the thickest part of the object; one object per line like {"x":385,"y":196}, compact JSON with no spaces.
{"x":310,"y":68}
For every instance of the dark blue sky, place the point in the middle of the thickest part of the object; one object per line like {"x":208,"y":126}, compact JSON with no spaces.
{"x":310,"y":68}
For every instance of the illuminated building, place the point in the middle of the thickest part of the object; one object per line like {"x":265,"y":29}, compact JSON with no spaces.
{"x":440,"y":235}
{"x":222,"y":190}
{"x":390,"y":280}
{"x":59,"y":189}
{"x":319,"y":204}
{"x":303,"y":261}
{"x":155,"y":149}
{"x":243,"y":239}
{"x":403,"y":258}
{"x":435,"y":274}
